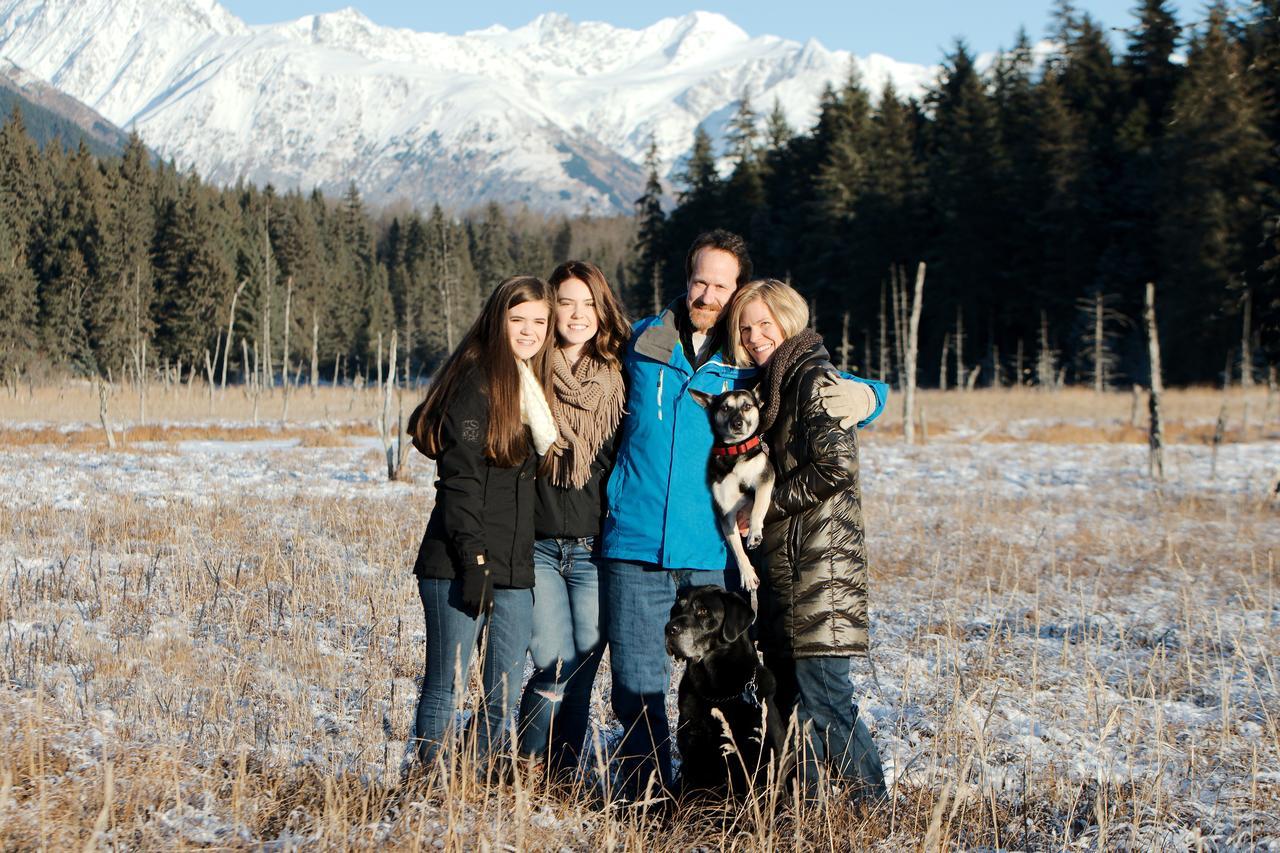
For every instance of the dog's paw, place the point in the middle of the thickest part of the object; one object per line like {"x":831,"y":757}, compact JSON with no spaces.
{"x":754,"y":540}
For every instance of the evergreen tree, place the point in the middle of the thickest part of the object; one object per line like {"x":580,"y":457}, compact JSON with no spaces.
{"x":494,"y":259}
{"x":646,"y":270}
{"x":1151,"y":71}
{"x":777,"y":131}
{"x":120,"y":314}
{"x":193,"y":277}
{"x":17,"y":303}
{"x":1216,"y":157}
{"x":1264,"y":65}
{"x":562,"y":243}
{"x":966,"y":165}
{"x":20,"y":168}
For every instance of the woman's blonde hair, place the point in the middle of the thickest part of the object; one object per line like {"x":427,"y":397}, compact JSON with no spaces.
{"x":784,"y":303}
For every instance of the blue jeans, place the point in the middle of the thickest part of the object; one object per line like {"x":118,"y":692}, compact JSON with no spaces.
{"x":638,"y":601}
{"x":566,"y":647}
{"x":820,"y":693}
{"x":452,"y":633}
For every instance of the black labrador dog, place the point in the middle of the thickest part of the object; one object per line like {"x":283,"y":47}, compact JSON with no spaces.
{"x":708,"y":629}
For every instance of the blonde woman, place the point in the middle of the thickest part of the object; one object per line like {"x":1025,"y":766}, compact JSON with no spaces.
{"x":813,"y":596}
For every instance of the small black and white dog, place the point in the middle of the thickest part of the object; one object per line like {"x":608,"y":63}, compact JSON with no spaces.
{"x":739,"y":470}
{"x":708,"y":629}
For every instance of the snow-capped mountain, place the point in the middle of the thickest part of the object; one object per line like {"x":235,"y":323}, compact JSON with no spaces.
{"x":556,"y":113}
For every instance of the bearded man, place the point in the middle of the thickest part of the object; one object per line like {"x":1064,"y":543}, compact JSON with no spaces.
{"x":660,"y":533}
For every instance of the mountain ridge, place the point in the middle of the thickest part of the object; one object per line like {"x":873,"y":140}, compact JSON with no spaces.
{"x":556,"y":114}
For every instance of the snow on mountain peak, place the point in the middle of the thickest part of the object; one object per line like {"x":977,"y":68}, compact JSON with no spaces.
{"x":555,"y":113}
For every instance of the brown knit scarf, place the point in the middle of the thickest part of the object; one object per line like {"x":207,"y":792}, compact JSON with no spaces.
{"x":586,"y":403}
{"x":784,"y":358}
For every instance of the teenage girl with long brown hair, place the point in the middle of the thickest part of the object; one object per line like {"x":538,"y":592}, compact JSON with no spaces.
{"x":484,"y":420}
{"x":586,"y":396}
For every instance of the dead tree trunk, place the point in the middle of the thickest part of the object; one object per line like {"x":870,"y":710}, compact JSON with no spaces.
{"x":208,"y":374}
{"x":140,"y":370}
{"x":392,"y":445}
{"x":1219,"y":431}
{"x":1046,"y":360}
{"x":901,"y":318}
{"x":1017,"y":365}
{"x":256,"y":385}
{"x":844,"y":342}
{"x":909,"y":368}
{"x":288,"y":306}
{"x":1099,"y":346}
{"x":1246,"y":345}
{"x":942,"y":362}
{"x":315,"y":352}
{"x":284,"y":360}
{"x":1155,"y":434}
{"x":884,"y":345}
{"x":102,"y":412}
{"x":231,"y":325}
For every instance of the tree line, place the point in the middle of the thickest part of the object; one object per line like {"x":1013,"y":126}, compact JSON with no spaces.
{"x":1043,"y":193}
{"x":122,"y":266}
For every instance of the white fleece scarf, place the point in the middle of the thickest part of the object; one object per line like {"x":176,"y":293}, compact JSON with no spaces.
{"x":534,"y":411}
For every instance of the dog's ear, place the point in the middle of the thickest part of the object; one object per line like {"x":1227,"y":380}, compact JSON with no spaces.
{"x":737,"y":617}
{"x":702,"y":398}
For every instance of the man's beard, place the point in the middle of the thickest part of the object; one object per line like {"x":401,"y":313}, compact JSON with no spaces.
{"x":703,"y":319}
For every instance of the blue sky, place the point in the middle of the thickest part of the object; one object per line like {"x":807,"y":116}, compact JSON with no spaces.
{"x":907,"y":30}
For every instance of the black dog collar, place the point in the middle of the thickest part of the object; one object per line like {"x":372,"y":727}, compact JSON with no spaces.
{"x":737,"y":449}
{"x":748,"y":694}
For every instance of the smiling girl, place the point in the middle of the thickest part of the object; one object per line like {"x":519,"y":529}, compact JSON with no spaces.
{"x":587,"y":396}
{"x":483,"y":420}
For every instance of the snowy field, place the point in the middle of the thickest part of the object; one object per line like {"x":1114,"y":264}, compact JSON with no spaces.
{"x":216,"y":643}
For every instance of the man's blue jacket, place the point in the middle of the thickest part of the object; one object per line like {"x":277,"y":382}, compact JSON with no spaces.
{"x":659,"y":507}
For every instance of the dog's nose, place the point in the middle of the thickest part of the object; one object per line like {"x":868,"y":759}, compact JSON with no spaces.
{"x":672,"y":629}
{"x":736,"y":423}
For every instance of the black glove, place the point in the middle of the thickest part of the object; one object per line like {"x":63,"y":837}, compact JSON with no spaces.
{"x":477,"y":590}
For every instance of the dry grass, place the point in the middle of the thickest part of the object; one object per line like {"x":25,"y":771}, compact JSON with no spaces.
{"x":1054,"y":668}
{"x":76,"y":404}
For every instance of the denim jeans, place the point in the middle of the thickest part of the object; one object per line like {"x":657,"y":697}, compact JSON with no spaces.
{"x":452,"y":634}
{"x":566,"y":647}
{"x":820,"y":693}
{"x":638,"y":601}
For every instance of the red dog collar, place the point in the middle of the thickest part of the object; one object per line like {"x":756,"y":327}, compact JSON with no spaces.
{"x":736,"y":449}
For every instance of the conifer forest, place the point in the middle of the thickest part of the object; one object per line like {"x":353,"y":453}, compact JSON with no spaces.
{"x":1042,"y":190}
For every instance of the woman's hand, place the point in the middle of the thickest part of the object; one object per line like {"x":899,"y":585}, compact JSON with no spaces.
{"x":744,"y":521}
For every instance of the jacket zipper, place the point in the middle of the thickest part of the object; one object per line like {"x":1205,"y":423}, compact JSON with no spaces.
{"x":661,"y":374}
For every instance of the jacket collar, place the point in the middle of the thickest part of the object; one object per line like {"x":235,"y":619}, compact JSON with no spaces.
{"x":661,"y":337}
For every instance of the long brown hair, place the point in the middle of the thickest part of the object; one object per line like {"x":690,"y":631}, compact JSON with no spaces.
{"x":612,"y":329}
{"x":487,"y":347}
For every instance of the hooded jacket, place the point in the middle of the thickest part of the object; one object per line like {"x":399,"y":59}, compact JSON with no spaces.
{"x":814,"y":598}
{"x":659,"y":508}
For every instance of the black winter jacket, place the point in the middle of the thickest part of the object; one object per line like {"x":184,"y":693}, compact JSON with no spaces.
{"x":480,"y":508}
{"x":813,"y":600}
{"x":566,"y":513}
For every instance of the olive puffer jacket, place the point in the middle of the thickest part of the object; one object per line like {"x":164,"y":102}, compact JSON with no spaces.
{"x":814,"y":598}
